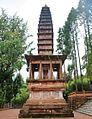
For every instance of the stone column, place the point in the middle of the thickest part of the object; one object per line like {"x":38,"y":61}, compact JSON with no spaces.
{"x":50,"y":69}
{"x":58,"y":73}
{"x":30,"y":72}
{"x":60,"y":70}
{"x":40,"y":70}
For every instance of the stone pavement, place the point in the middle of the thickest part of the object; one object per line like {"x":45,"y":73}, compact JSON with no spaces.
{"x":13,"y":114}
{"x":9,"y":114}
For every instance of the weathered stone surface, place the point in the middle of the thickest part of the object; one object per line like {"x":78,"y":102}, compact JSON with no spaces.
{"x":45,"y":103}
{"x":46,"y":85}
{"x":76,"y":99}
{"x":41,"y":95}
{"x":46,"y":97}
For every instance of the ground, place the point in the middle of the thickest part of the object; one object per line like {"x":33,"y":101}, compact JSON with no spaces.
{"x":13,"y":114}
{"x":9,"y":114}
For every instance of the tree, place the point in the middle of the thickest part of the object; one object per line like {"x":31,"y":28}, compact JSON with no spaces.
{"x":67,"y":40}
{"x":21,"y":96}
{"x":13,"y":36}
{"x":85,"y":17}
{"x":17,"y":83}
{"x":70,"y":70}
{"x":1,"y":98}
{"x":63,"y":41}
{"x":71,"y":86}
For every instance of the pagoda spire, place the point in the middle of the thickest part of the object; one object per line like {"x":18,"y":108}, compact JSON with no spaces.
{"x":45,"y":32}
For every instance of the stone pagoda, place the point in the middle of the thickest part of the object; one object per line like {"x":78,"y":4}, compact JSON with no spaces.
{"x":45,"y":82}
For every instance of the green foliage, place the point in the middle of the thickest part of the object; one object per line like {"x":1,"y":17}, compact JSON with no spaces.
{"x":64,"y":34}
{"x":87,"y":58}
{"x":8,"y":90}
{"x":30,"y":49}
{"x":20,"y":92}
{"x":1,"y":98}
{"x":13,"y":37}
{"x":17,"y":83}
{"x":60,"y":41}
{"x":12,"y":40}
{"x":85,"y":82}
{"x":21,"y":96}
{"x":68,"y":38}
{"x":64,"y":44}
{"x":70,"y":70}
{"x":85,"y":17}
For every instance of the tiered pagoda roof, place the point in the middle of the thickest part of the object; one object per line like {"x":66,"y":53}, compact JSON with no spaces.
{"x":45,"y":32}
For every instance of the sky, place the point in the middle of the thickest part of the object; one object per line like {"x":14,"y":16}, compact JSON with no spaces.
{"x":30,"y":10}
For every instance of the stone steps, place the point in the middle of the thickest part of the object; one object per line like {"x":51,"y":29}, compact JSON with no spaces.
{"x":47,"y":115}
{"x":45,"y":109}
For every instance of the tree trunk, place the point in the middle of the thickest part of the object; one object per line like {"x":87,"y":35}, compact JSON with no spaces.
{"x":76,"y":39}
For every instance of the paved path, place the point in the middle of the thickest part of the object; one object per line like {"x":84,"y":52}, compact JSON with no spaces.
{"x":13,"y":114}
{"x":9,"y":114}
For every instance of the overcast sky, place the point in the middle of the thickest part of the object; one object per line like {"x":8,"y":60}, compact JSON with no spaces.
{"x":30,"y":10}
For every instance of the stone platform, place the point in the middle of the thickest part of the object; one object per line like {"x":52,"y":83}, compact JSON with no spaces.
{"x":46,"y":100}
{"x":46,"y":108}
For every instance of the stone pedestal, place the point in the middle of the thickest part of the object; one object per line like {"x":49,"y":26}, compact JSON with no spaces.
{"x":46,"y":100}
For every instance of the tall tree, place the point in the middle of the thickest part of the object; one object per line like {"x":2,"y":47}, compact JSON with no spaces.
{"x":17,"y":83}
{"x":67,"y":40}
{"x":85,"y":17}
{"x":13,"y":36}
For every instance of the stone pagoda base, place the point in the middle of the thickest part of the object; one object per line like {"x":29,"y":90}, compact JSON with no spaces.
{"x":45,"y":109}
{"x":46,"y":100}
